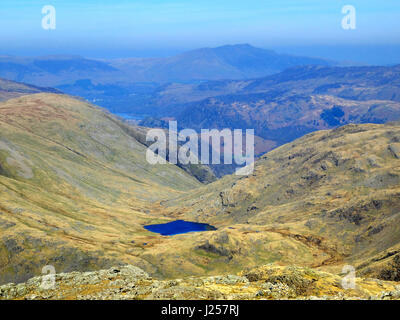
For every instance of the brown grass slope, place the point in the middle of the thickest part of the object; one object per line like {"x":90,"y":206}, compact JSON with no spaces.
{"x":327,"y":199}
{"x":75,"y":187}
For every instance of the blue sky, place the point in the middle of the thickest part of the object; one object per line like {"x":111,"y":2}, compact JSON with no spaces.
{"x":128,"y":27}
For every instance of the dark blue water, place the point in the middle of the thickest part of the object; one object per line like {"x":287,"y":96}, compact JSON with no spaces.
{"x":178,"y":227}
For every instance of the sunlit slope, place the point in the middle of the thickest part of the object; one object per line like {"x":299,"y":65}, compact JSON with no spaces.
{"x":75,"y":187}
{"x":76,"y":191}
{"x":327,"y":199}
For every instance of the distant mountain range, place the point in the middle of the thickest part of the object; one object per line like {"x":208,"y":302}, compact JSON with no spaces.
{"x":55,"y":70}
{"x":287,"y":105}
{"x":165,"y":100}
{"x":354,"y":83}
{"x":130,"y":83}
{"x":227,"y":62}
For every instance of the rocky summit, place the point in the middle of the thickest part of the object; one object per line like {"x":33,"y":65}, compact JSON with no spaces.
{"x":266,"y":282}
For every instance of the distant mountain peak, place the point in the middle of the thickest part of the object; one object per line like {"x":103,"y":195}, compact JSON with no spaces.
{"x":239,"y":45}
{"x":11,"y":89}
{"x":231,"y":61}
{"x":59,"y":57}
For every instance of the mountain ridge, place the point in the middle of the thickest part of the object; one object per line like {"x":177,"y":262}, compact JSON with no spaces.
{"x":224,"y":62}
{"x":11,"y":89}
{"x":287,"y":105}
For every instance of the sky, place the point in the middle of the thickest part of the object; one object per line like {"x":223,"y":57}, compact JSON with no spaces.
{"x":123,"y":28}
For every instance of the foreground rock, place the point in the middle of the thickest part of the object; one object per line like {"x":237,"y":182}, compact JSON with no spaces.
{"x":266,"y":282}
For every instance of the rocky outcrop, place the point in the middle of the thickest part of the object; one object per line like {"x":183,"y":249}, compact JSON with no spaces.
{"x":266,"y":282}
{"x":395,"y":150}
{"x":392,"y":271}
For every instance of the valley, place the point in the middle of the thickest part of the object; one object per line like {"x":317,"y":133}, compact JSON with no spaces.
{"x":72,"y":193}
{"x":77,"y":191}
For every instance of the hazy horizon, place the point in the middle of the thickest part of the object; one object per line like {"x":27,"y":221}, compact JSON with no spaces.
{"x":154,"y":28}
{"x":361,"y":55}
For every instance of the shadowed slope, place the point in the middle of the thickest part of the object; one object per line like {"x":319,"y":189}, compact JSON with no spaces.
{"x":10,"y":89}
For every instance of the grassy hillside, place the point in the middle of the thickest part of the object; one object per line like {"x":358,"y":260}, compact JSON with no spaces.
{"x":328,"y":199}
{"x":75,"y":187}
